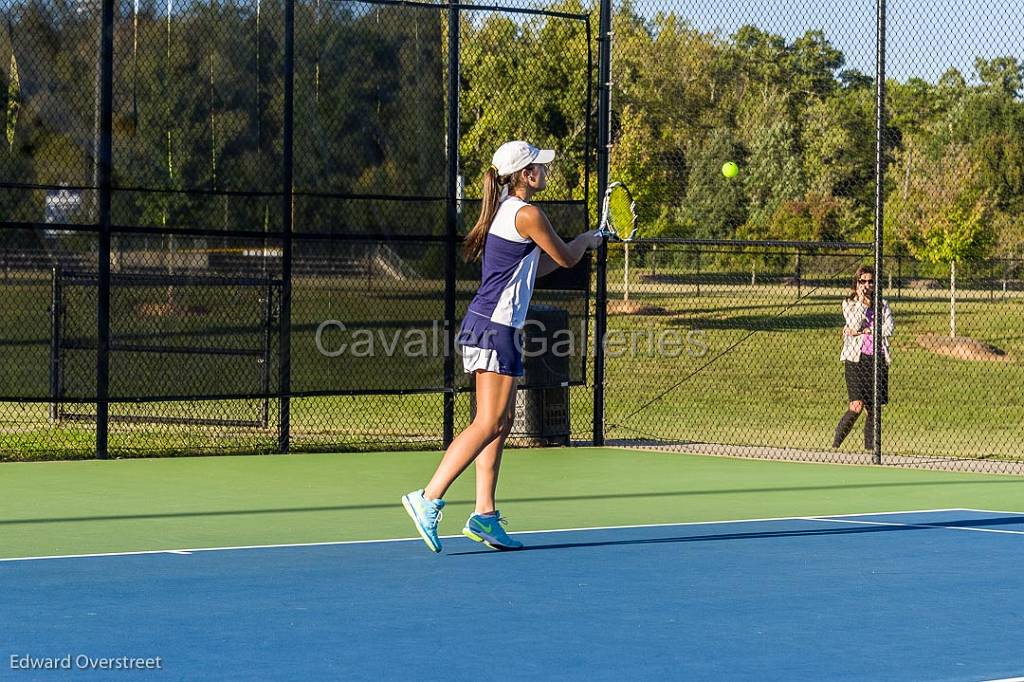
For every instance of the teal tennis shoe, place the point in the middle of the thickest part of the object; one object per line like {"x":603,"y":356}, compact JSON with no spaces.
{"x":487,"y":528}
{"x":426,"y":514}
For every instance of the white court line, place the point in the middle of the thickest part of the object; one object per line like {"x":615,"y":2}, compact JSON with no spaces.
{"x":889,"y":513}
{"x":1008,"y":679}
{"x":190,"y":550}
{"x":916,"y":525}
{"x":997,"y":511}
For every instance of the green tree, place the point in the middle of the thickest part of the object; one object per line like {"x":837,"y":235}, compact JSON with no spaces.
{"x":815,"y":61}
{"x":667,"y":90}
{"x":715,"y":206}
{"x":946,"y":216}
{"x":812,"y":218}
{"x":838,"y":137}
{"x":636,"y":163}
{"x":913,"y":106}
{"x":773,"y":172}
{"x":1001,"y":75}
{"x":525,"y":79}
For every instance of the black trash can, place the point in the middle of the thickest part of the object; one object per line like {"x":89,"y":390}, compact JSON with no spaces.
{"x":542,"y":405}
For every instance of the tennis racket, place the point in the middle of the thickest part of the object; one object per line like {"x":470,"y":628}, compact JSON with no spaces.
{"x":618,"y":213}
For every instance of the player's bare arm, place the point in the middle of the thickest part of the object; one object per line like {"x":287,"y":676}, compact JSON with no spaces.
{"x":531,"y":223}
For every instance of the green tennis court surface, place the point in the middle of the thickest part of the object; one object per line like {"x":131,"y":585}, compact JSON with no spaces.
{"x":62,"y":508}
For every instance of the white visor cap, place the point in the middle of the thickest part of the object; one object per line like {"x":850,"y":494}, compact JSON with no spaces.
{"x":517,"y":155}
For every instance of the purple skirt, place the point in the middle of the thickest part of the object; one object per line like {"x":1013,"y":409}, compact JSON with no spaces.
{"x":489,"y":346}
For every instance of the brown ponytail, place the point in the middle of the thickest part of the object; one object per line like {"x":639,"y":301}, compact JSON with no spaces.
{"x":473,"y":245}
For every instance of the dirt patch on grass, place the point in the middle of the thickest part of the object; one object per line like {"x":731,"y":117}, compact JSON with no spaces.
{"x":963,"y":348}
{"x":634,"y":308}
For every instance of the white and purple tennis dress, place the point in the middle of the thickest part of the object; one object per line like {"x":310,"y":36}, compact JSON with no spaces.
{"x":489,"y":337}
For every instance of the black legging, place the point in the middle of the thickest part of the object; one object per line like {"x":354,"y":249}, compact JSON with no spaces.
{"x":846,"y":423}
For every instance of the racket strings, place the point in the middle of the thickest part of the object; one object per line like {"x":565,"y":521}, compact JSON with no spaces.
{"x":621,"y":213}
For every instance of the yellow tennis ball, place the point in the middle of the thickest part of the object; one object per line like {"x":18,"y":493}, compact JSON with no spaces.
{"x":730,"y":169}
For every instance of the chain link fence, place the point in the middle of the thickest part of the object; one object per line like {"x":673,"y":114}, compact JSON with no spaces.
{"x":789,"y":92}
{"x":199,"y":214}
{"x":234,"y":226}
{"x":717,"y":348}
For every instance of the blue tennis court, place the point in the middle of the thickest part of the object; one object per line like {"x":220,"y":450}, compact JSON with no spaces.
{"x":929,"y":595}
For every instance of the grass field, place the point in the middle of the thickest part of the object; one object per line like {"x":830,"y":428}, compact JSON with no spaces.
{"x":764,"y":370}
{"x":782,"y":384}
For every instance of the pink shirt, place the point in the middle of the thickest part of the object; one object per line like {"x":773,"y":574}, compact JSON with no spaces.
{"x":867,"y":345}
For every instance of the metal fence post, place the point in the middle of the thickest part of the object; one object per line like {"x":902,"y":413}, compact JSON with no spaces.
{"x":698,"y":270}
{"x":451,"y":224}
{"x":604,"y":55}
{"x":268,"y":326}
{"x":880,"y":135}
{"x":103,"y":163}
{"x":287,"y":215}
{"x":55,"y":319}
{"x":799,"y":277}
{"x":899,"y":275}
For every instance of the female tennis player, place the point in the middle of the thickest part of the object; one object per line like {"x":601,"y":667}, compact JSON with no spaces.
{"x":857,"y":355}
{"x":517,"y":244}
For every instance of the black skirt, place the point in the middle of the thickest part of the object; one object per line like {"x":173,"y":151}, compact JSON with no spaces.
{"x":859,"y":380}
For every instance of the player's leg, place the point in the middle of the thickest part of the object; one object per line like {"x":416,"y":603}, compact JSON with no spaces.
{"x":486,"y":523}
{"x":424,"y":506}
{"x":488,"y":462}
{"x":493,"y":393}
{"x":846,"y":422}
{"x":869,"y":429}
{"x":853,"y":373}
{"x":869,"y":408}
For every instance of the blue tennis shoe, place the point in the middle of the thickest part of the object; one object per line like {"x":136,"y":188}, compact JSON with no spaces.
{"x":426,"y":514}
{"x":487,"y":528}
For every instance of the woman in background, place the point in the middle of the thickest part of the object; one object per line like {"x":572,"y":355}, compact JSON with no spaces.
{"x":858,"y":355}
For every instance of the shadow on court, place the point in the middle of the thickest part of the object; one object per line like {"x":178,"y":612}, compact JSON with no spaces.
{"x":719,"y":537}
{"x":512,"y":500}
